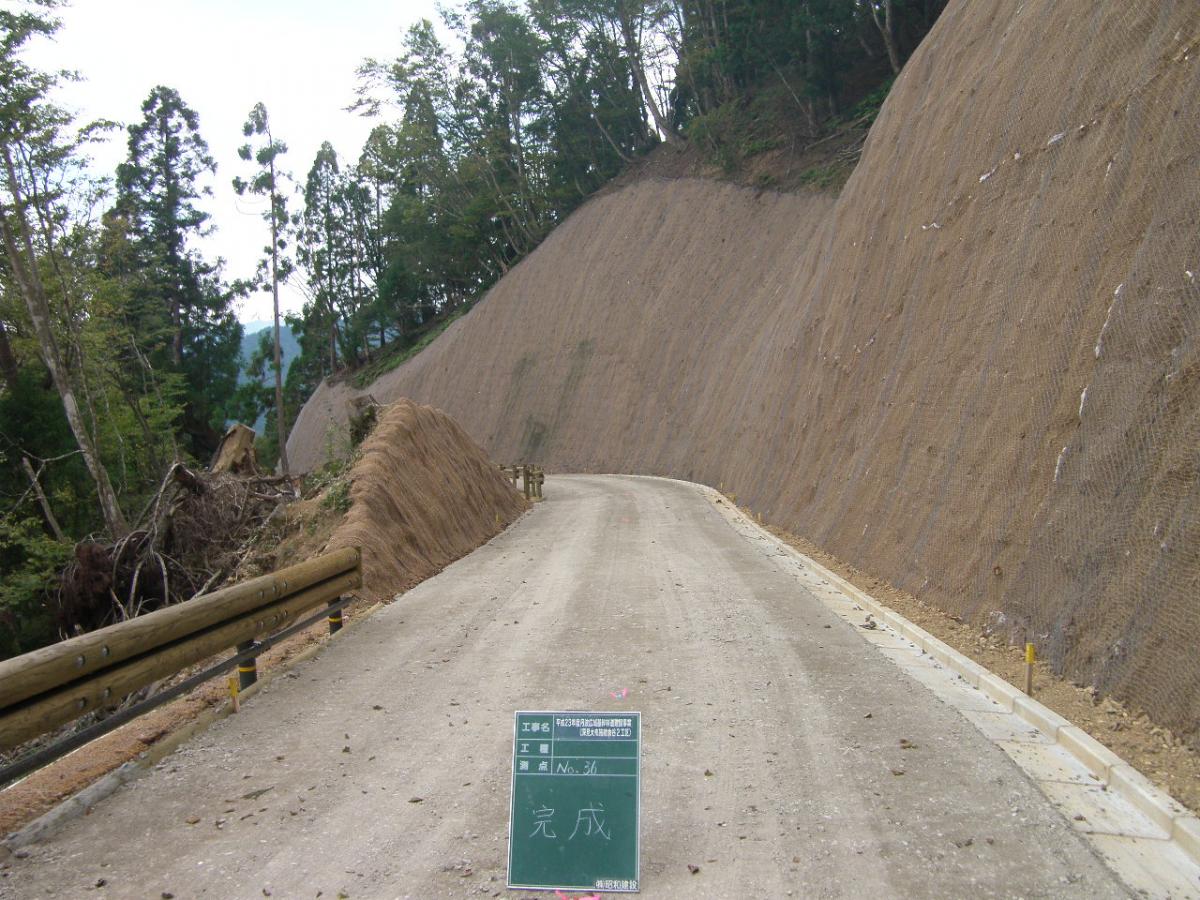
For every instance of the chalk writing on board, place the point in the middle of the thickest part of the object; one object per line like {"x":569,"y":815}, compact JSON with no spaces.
{"x":575,"y":810}
{"x":591,"y":819}
{"x":541,"y":823}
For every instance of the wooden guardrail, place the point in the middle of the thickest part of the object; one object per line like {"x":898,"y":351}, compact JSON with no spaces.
{"x":42,"y":690}
{"x":532,"y":479}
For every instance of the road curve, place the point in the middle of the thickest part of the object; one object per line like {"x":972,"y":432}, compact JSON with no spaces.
{"x":772,"y":756}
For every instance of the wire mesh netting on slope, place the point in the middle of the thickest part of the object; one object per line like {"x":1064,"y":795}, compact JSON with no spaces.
{"x":973,"y":374}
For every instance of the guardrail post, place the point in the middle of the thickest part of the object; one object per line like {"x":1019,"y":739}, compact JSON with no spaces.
{"x":335,"y":619}
{"x":541,"y":480}
{"x":49,"y":687}
{"x":527,"y":482}
{"x":247,"y":668}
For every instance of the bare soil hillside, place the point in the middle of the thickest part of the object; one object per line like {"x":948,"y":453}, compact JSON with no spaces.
{"x":973,"y":374}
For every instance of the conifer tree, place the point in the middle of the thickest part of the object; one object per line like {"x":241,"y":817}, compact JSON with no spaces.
{"x":181,"y":297}
{"x":264,"y":150}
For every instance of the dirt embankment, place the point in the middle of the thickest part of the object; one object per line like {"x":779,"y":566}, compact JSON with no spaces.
{"x":975,"y":374}
{"x":421,"y":495}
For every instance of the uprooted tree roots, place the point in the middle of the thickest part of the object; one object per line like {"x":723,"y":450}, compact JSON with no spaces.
{"x":192,"y":535}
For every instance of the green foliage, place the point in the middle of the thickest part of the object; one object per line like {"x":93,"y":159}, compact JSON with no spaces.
{"x":479,"y":152}
{"x":337,"y":496}
{"x":83,"y":409}
{"x":336,"y":466}
{"x":741,"y":129}
{"x":867,"y":109}
{"x":401,"y":354}
{"x":487,"y":149}
{"x":256,"y":394}
{"x":30,"y":562}
{"x":719,"y":133}
{"x":32,"y":424}
{"x":332,"y":481}
{"x":828,"y":176}
{"x":482,"y":144}
{"x":266,"y":180}
{"x":740,"y":67}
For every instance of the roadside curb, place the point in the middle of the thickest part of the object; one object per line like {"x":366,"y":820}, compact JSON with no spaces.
{"x":1110,"y":771}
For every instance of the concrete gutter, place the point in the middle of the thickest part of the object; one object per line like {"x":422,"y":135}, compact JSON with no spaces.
{"x":1147,"y":837}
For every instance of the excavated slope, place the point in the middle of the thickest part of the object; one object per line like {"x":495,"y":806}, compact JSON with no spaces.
{"x":974,"y":374}
{"x":422,"y":495}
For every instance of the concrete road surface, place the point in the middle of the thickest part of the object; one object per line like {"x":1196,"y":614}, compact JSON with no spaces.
{"x":772,"y":756}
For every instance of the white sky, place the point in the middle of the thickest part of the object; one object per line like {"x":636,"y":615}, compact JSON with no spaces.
{"x":223,"y":56}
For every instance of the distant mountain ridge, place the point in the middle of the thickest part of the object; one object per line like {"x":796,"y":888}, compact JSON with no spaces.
{"x":289,"y":347}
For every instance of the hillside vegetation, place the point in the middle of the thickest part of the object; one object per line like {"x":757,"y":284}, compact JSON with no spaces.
{"x":972,"y":373}
{"x":120,"y":353}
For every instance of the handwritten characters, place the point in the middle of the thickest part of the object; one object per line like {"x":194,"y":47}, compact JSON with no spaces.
{"x":591,"y":818}
{"x":590,"y":822}
{"x":541,"y":823}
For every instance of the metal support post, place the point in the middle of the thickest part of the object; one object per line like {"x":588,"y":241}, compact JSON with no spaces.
{"x":247,"y":668}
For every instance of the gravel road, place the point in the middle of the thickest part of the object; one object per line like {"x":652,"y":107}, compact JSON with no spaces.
{"x":772,"y":758}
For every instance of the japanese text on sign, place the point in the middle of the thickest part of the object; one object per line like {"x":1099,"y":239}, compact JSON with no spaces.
{"x":575,"y":802}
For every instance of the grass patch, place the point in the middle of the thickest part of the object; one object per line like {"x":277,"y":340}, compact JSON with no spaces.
{"x":832,"y":176}
{"x":369,"y":373}
{"x":867,"y":109}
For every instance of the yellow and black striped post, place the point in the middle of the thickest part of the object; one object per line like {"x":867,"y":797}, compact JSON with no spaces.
{"x":247,"y":668}
{"x":335,"y":620}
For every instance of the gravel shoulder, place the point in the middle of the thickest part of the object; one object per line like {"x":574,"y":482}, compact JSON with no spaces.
{"x":773,"y":758}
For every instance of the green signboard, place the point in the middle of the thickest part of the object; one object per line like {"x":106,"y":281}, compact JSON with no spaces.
{"x":575,"y":818}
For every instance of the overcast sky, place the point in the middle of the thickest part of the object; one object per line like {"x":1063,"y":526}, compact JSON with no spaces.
{"x":223,"y":56}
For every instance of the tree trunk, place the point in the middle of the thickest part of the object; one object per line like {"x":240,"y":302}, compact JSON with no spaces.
{"x":280,"y":425}
{"x":888,"y":32}
{"x":171,"y":193}
{"x":24,"y":271}
{"x":608,"y":137}
{"x":42,"y":501}
{"x":177,"y":337}
{"x":633,"y":51}
{"x":8,"y":361}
